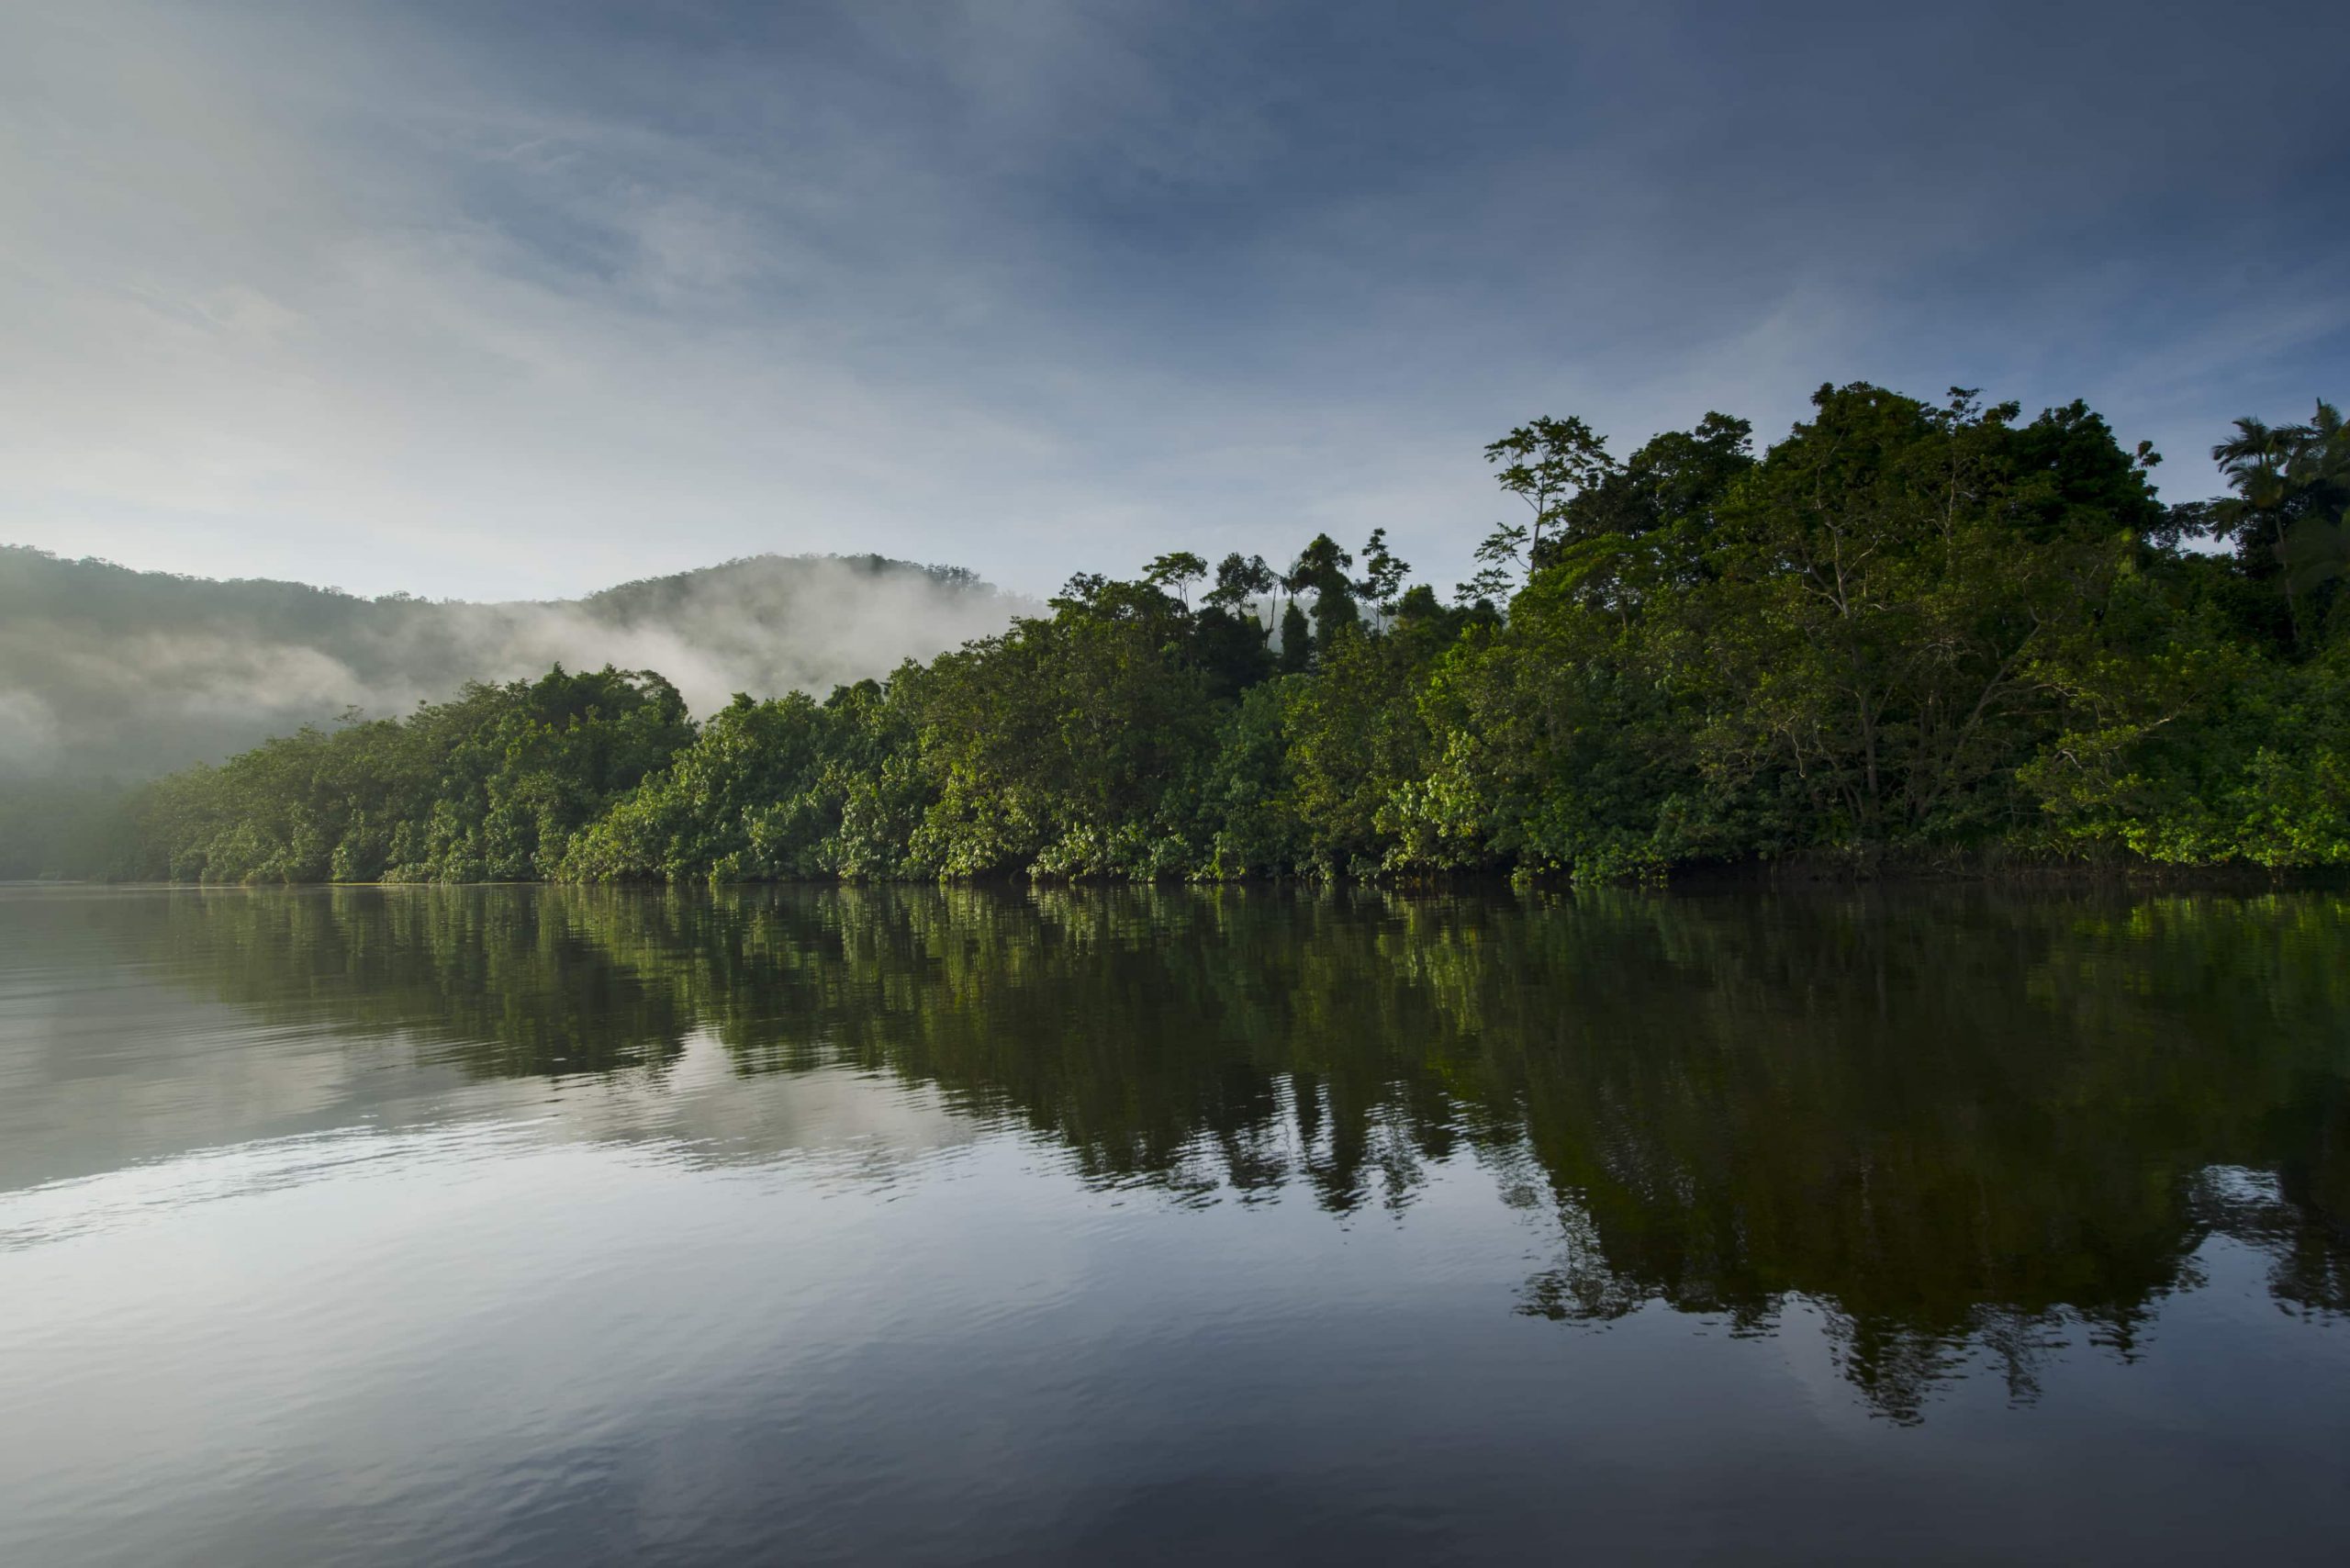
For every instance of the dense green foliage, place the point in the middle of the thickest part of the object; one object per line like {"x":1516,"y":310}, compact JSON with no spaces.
{"x":1907,"y":633}
{"x":488,"y":788}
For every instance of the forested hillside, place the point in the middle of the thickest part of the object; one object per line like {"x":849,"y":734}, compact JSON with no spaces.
{"x":109,"y":675}
{"x":1908,"y":632}
{"x":108,"y":671}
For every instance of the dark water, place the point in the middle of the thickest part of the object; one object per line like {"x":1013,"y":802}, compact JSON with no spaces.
{"x":504,"y":1226}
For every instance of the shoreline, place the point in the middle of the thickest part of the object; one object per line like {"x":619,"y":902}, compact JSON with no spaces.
{"x":1806,"y":874}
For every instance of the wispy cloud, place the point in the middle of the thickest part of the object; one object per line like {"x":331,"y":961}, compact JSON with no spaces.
{"x":493,"y":299}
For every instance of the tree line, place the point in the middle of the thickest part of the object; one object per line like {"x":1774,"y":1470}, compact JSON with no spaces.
{"x":1907,"y":633}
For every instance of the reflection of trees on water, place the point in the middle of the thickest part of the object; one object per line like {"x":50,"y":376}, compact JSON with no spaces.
{"x":1969,"y":1128}
{"x":496,"y":980}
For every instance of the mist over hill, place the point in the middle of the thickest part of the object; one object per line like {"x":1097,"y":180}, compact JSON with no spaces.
{"x":107,"y":672}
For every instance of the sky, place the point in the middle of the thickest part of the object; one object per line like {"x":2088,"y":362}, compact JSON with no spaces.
{"x":500,"y":300}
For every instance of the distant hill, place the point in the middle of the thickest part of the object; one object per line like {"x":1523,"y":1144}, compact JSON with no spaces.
{"x":111,"y":673}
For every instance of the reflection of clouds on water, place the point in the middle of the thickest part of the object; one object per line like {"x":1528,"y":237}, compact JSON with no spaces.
{"x":833,"y":1127}
{"x":851,"y":1125}
{"x":162,"y":1190}
{"x":106,"y":1058}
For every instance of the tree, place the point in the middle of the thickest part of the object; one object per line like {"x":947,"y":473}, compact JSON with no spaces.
{"x":1676,"y":479}
{"x":1383,"y":573}
{"x":1546,"y":463}
{"x":1881,"y":614}
{"x":1354,"y":735}
{"x":1070,"y":745}
{"x":1176,"y":569}
{"x":1240,"y":579}
{"x":1500,"y":558}
{"x":1297,"y":641}
{"x":1322,"y":567}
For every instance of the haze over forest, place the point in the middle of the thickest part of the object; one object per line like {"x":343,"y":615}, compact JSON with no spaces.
{"x":109,"y":673}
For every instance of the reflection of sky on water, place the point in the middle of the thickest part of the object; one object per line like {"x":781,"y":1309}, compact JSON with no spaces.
{"x":845,"y":1126}
{"x":285,"y":1284}
{"x":503,"y":1339}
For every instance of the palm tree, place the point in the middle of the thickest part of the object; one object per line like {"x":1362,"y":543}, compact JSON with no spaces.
{"x":2290,"y":482}
{"x":2255,"y":446}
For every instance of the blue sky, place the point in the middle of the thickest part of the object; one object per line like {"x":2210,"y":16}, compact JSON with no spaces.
{"x":506,"y":300}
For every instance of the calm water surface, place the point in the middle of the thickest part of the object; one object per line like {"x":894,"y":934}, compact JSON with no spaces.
{"x":508,"y":1226}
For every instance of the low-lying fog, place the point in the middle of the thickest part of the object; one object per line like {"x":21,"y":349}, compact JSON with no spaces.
{"x":108,"y":672}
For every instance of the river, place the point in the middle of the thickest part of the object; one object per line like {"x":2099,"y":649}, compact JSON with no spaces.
{"x":517,"y":1226}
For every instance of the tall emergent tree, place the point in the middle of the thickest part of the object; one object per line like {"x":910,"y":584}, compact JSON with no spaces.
{"x":1546,"y":463}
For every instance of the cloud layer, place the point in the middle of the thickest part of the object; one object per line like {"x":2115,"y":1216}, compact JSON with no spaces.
{"x":493,"y":299}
